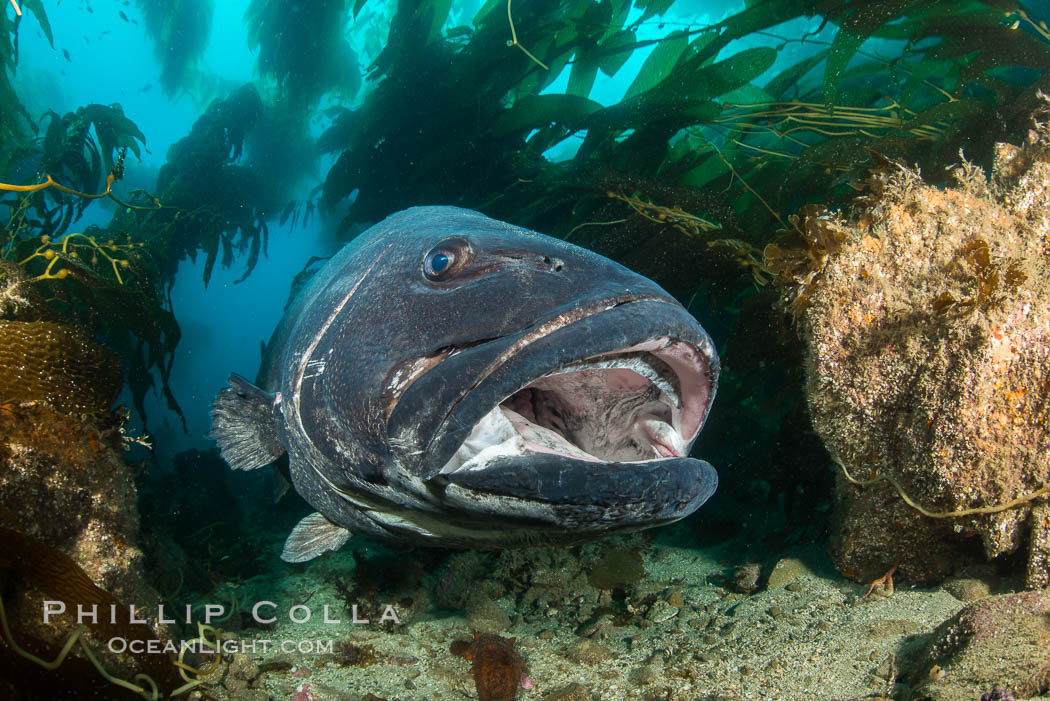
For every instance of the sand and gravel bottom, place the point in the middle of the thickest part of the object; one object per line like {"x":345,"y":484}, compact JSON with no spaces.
{"x":804,"y":633}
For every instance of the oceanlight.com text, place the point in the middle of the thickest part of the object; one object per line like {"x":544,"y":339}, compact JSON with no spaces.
{"x":226,"y":647}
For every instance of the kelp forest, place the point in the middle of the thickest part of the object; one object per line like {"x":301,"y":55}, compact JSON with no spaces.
{"x":719,"y":155}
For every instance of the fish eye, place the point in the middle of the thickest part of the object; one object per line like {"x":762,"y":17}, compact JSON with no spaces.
{"x":439,"y":262}
{"x":446,"y":259}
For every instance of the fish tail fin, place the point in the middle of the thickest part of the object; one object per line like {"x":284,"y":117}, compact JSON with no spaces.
{"x":243,"y":425}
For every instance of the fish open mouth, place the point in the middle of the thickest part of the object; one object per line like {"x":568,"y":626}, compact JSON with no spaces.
{"x":576,"y":425}
{"x":635,"y":404}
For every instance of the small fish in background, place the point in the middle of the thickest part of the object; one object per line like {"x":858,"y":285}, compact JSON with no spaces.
{"x":145,"y":87}
{"x":66,"y":54}
{"x":105,"y":32}
{"x":123,"y":16}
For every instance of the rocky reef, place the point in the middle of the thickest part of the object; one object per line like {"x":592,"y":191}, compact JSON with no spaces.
{"x":68,"y":515}
{"x":995,"y":644}
{"x":925,"y":315}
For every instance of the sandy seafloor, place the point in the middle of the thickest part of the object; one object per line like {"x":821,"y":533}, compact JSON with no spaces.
{"x":811,"y":635}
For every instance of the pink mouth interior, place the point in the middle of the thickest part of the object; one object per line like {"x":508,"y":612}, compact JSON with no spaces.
{"x":644,"y":402}
{"x":693,"y":372}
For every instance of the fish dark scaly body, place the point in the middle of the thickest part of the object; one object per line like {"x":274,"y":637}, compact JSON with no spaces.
{"x":451,"y":380}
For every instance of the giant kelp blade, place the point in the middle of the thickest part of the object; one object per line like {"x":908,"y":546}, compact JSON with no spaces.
{"x":929,"y":71}
{"x":790,"y":76}
{"x":582,"y":75}
{"x":113,"y":129}
{"x":536,"y":111}
{"x":60,"y":578}
{"x":595,"y":22}
{"x":482,"y":15}
{"x":614,"y":51}
{"x":652,"y":108}
{"x":659,"y":64}
{"x":843,"y":47}
{"x":341,"y":180}
{"x":684,"y":98}
{"x":720,"y":78}
{"x":652,"y":8}
{"x":437,"y":10}
{"x":858,"y":24}
{"x":339,"y":132}
{"x":709,"y":169}
{"x":757,"y":16}
{"x":945,"y":116}
{"x":946,"y":19}
{"x":37,"y":8}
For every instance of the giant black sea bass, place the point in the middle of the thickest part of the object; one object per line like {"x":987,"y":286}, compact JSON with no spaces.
{"x":452,"y":380}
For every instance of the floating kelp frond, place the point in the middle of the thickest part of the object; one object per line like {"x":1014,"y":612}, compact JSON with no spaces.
{"x":13,"y":116}
{"x":180,"y":30}
{"x":301,"y":45}
{"x":468,"y":116}
{"x":76,"y":150}
{"x":214,"y":202}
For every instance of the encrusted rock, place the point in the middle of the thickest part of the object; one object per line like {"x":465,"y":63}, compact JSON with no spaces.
{"x":67,"y":508}
{"x":967,"y":588}
{"x":926,"y":321}
{"x":588,"y":652}
{"x":485,"y":616}
{"x":64,"y":477}
{"x":746,"y":577}
{"x":572,"y":692}
{"x":661,"y":611}
{"x":243,"y":667}
{"x":999,"y":641}
{"x":645,"y":674}
{"x":787,"y":570}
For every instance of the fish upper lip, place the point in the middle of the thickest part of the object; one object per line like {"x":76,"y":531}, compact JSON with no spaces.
{"x":408,"y":373}
{"x":545,"y":328}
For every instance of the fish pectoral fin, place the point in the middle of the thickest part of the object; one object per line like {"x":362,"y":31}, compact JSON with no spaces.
{"x":312,"y":536}
{"x":244,"y":425}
